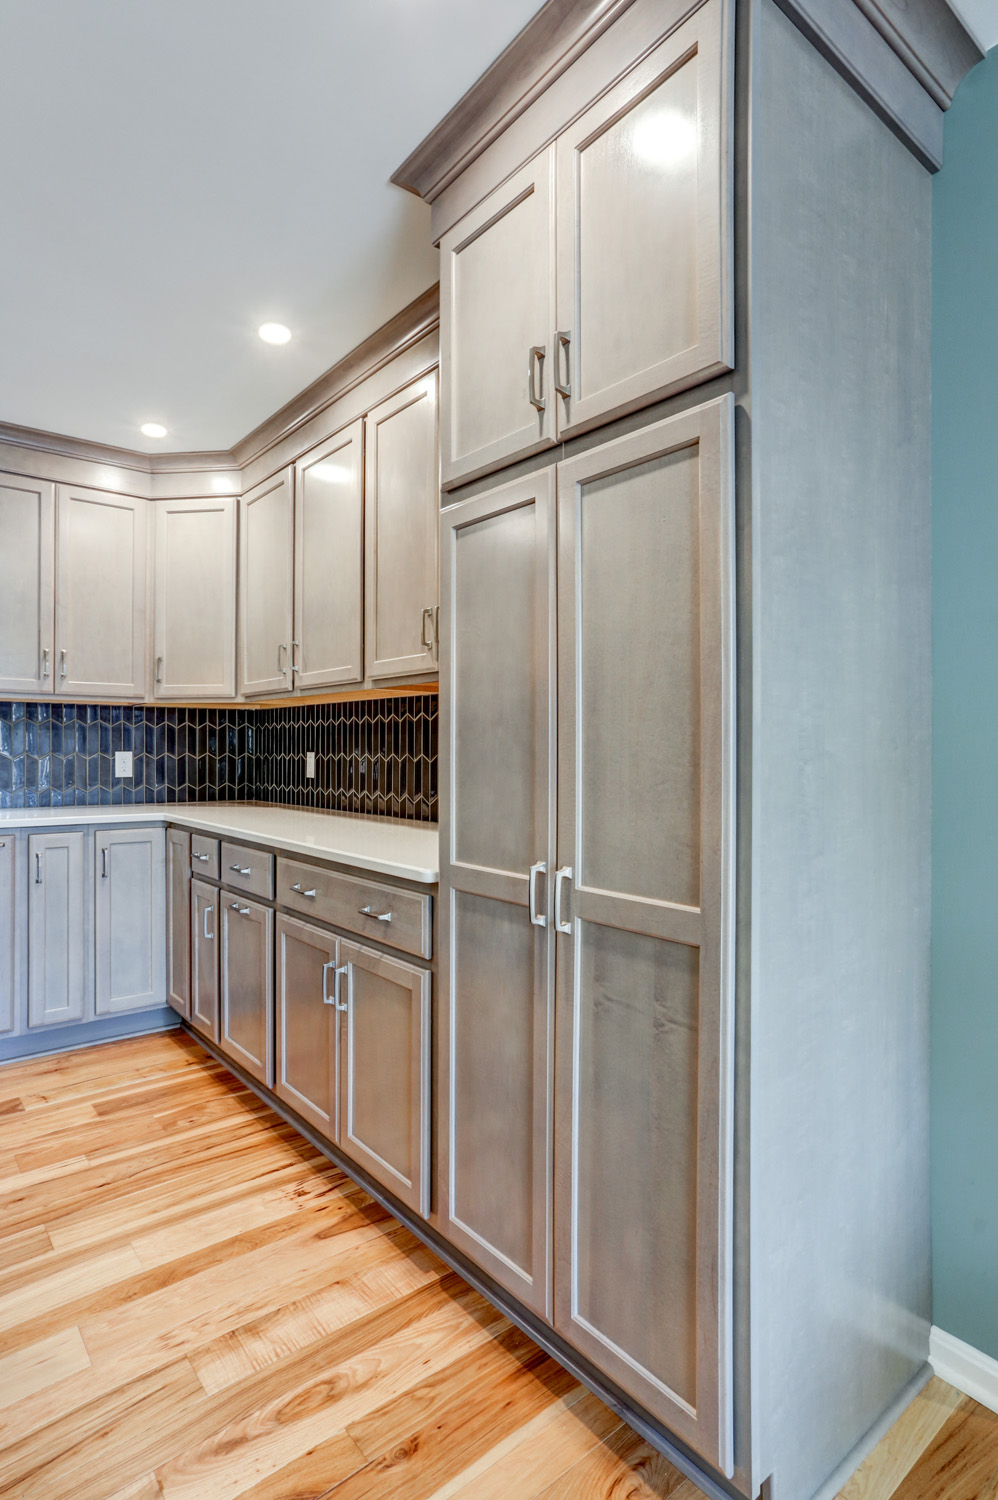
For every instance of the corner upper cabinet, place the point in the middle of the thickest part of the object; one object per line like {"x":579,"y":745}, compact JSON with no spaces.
{"x":195,"y":605}
{"x":27,"y":585}
{"x":266,"y":563}
{"x":402,"y":505}
{"x":497,"y":320}
{"x":328,"y":645}
{"x":100,"y":594}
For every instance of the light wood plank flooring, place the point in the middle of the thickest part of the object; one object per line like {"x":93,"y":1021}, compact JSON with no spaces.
{"x":195,"y":1305}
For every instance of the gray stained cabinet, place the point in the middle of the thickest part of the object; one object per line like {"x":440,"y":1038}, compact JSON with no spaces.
{"x":27,"y":585}
{"x":266,"y":570}
{"x":204,"y":927}
{"x":307,"y":984}
{"x":100,"y":590}
{"x":497,"y":786}
{"x":246,"y":1015}
{"x":57,"y":930}
{"x":7,"y":850}
{"x":178,"y":920}
{"x":194,"y":630}
{"x":328,"y":643}
{"x":129,"y":919}
{"x":401,"y":513}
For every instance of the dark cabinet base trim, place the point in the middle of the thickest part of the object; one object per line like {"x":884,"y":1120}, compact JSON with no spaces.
{"x":43,"y":1040}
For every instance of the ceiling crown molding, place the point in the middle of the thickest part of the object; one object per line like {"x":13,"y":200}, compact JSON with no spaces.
{"x":930,"y":39}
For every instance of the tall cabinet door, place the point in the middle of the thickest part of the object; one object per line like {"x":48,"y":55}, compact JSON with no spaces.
{"x":402,"y":505}
{"x":644,"y":232}
{"x":27,"y":585}
{"x":7,"y":847}
{"x":129,"y":917}
{"x":100,"y":594}
{"x":643,"y":910}
{"x":306,"y":1023}
{"x":497,"y":354}
{"x":329,"y":562}
{"x":178,"y":920}
{"x":195,"y":607}
{"x":497,"y":967}
{"x":266,"y":522}
{"x":57,"y":931}
{"x":204,"y":958}
{"x":246,"y":1020}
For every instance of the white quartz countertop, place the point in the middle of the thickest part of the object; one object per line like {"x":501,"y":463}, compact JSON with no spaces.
{"x":388,"y":846}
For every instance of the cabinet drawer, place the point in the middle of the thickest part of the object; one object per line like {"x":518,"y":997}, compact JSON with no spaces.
{"x":400,"y":919}
{"x":204,"y":857}
{"x":250,"y":870}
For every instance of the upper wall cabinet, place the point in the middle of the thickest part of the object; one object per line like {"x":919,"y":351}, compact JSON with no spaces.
{"x":402,"y":509}
{"x":265,"y":582}
{"x":27,"y":585}
{"x":328,"y":641}
{"x":100,"y":594}
{"x":195,"y":609}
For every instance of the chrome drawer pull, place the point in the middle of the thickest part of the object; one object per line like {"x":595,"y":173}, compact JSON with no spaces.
{"x":203,"y":856}
{"x":207,"y":913}
{"x":379,"y":916}
{"x":327,"y":998}
{"x":297,"y":887}
{"x":243,"y":911}
{"x":337,"y":971}
{"x":562,"y":878}
{"x":242,"y":869}
{"x":537,"y":918}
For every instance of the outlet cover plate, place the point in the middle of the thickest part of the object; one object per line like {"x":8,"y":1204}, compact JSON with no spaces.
{"x":309,"y":765}
{"x":123,"y":763}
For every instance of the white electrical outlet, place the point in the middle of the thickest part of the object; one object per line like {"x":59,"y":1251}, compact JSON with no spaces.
{"x":309,"y":765}
{"x":123,"y":763}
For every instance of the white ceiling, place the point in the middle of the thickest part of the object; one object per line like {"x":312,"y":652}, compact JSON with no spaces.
{"x":173,"y":174}
{"x":982,"y":18}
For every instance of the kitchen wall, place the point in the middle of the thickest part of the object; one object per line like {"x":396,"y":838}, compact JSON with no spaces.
{"x":377,"y":756}
{"x":965,"y":784}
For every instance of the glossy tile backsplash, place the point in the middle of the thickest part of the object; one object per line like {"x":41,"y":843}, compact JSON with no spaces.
{"x":372,"y":757}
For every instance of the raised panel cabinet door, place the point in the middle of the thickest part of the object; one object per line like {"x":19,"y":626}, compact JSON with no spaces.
{"x":100,"y":594}
{"x":329,"y":562}
{"x":644,"y":230}
{"x":204,"y":958}
{"x":129,"y":917}
{"x":27,"y":585}
{"x":384,"y":1060}
{"x":178,"y":920}
{"x":643,"y":909}
{"x":266,"y":571}
{"x":306,"y":1023}
{"x":246,"y":1020}
{"x":497,"y":309}
{"x":57,"y":930}
{"x":497,"y":705}
{"x":7,"y":848}
{"x":402,"y":508}
{"x":194,"y":643}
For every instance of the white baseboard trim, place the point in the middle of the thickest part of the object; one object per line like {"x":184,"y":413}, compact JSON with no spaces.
{"x":961,"y":1365}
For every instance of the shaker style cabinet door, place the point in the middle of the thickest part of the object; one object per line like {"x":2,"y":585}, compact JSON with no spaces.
{"x":266,"y":522}
{"x":402,"y":505}
{"x":328,"y":641}
{"x":7,"y":847}
{"x":100,"y":594}
{"x":57,"y":929}
{"x":178,"y":920}
{"x":246,"y":1021}
{"x":129,"y":916}
{"x":644,"y":234}
{"x":497,"y":708}
{"x":643,"y":909}
{"x":306,"y":1023}
{"x":27,"y":585}
{"x":497,"y":326}
{"x":195,"y":606}
{"x":204,"y":958}
{"x":384,"y":1058}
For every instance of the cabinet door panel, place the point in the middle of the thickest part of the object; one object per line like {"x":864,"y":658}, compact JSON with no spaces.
{"x":329,"y":562}
{"x":130,"y":912}
{"x":496,"y":306}
{"x":27,"y":585}
{"x":204,"y":958}
{"x":385,"y":1072}
{"x":7,"y":848}
{"x":402,"y":505}
{"x":100,"y":594}
{"x":645,"y":1009}
{"x":195,"y":611}
{"x":246,"y":1024}
{"x":178,"y":918}
{"x":306,"y":1023}
{"x":266,"y":521}
{"x":497,"y":966}
{"x":56,"y":929}
{"x":644,"y":286}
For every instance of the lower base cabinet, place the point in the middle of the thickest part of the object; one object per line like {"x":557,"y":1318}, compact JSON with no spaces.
{"x":57,"y":930}
{"x":204,"y":958}
{"x":306,"y":1022}
{"x":7,"y":847}
{"x":178,"y":920}
{"x":246,"y":1018}
{"x":129,"y":916}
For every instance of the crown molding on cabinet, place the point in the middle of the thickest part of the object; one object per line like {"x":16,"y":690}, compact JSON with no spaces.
{"x":931,"y":41}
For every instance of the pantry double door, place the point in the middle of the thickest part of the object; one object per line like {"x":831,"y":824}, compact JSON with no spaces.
{"x":586,"y":869}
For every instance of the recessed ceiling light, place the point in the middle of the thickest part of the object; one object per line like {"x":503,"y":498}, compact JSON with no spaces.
{"x":153,"y":429}
{"x":274,"y":333}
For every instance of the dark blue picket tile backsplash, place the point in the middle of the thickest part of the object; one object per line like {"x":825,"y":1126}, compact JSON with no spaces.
{"x":371,"y":757}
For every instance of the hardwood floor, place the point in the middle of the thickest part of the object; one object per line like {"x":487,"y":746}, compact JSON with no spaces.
{"x":195,"y":1305}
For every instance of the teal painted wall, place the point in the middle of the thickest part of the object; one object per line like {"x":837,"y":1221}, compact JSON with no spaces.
{"x":965,"y":718}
